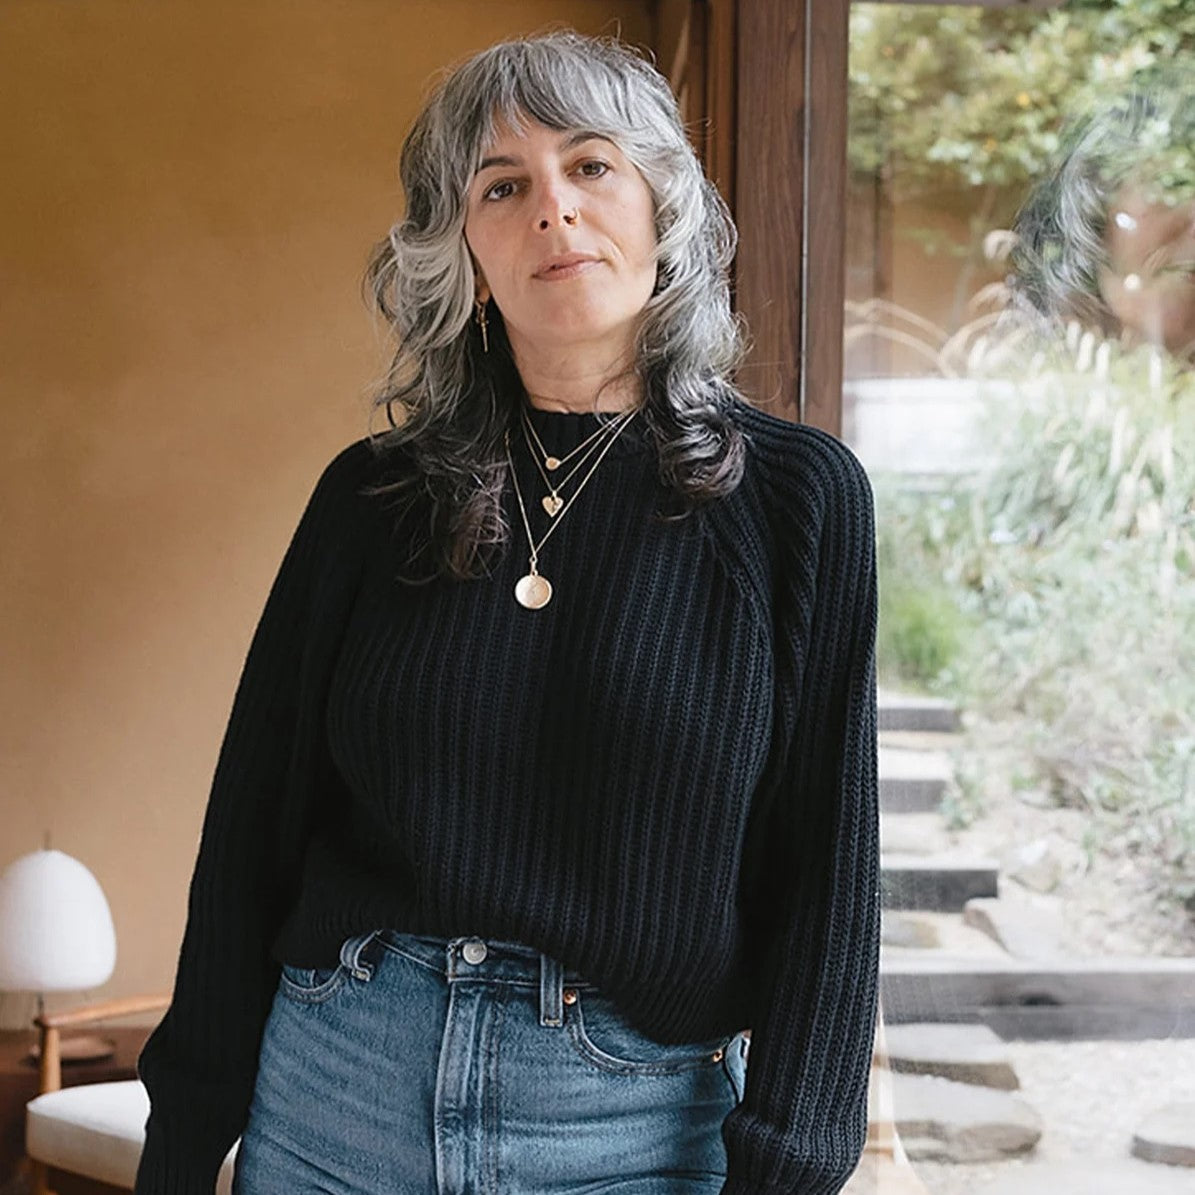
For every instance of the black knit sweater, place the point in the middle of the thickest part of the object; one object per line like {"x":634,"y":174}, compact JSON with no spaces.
{"x":665,"y":778}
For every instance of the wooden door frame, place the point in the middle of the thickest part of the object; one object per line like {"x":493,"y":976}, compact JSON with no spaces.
{"x":764,"y":92}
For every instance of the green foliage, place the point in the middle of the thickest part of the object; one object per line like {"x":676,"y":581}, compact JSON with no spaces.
{"x":948,"y":97}
{"x":918,"y":634}
{"x":1072,"y":562}
{"x":963,"y":800}
{"x":921,"y":624}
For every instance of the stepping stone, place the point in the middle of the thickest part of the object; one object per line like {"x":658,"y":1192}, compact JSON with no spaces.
{"x":1037,"y":865}
{"x":906,"y":711}
{"x":961,"y":1122}
{"x":910,"y":932}
{"x":964,"y":1053}
{"x":1026,"y":931}
{"x":941,"y":883}
{"x":1106,"y":1177}
{"x":1167,"y":1135}
{"x":913,"y":833}
{"x":912,"y":781}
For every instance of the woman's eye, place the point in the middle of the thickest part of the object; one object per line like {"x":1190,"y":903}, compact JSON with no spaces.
{"x":489,"y":191}
{"x":591,"y":168}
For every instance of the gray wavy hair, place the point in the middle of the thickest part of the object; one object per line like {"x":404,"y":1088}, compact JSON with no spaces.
{"x":1143,"y":134}
{"x":455,"y":400}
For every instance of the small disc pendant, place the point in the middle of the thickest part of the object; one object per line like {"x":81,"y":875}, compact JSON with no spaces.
{"x":552,"y":504}
{"x":533,"y":591}
{"x":552,"y":463}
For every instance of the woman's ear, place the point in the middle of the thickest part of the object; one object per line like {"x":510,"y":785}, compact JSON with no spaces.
{"x":481,"y":290}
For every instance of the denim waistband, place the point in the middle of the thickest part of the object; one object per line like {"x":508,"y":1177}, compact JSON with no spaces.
{"x":471,"y":957}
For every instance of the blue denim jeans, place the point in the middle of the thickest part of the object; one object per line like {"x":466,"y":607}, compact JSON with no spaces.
{"x":468,"y":1066}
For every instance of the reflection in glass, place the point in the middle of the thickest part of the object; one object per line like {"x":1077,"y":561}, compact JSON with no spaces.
{"x":1107,"y":236}
{"x":1019,"y":332}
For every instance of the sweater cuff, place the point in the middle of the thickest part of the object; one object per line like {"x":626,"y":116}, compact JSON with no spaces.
{"x":816,"y":1183}
{"x":178,"y":1159}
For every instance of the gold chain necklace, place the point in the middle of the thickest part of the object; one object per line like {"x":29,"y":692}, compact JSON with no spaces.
{"x":533,"y":590}
{"x":553,"y":462}
{"x":552,"y":502}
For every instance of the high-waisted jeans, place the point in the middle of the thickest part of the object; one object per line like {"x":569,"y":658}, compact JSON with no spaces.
{"x":469,"y":1066}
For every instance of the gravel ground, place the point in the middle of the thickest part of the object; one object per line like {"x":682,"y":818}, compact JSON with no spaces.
{"x":1090,"y":1095}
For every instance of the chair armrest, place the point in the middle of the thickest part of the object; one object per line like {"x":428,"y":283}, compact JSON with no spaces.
{"x":101,"y":1011}
{"x":49,"y":1025}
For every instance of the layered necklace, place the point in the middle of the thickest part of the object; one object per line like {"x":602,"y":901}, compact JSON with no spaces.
{"x":534,"y":590}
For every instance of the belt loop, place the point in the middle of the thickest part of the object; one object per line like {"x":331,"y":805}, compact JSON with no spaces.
{"x":352,"y":955}
{"x":551,"y":991}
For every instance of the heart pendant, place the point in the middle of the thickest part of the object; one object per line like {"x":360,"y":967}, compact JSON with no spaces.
{"x":552,"y":504}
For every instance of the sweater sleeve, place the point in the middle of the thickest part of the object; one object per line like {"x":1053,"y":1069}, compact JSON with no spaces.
{"x":801,"y":1125}
{"x":200,"y":1063}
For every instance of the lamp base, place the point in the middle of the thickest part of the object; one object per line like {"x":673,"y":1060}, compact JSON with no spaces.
{"x":84,"y":1047}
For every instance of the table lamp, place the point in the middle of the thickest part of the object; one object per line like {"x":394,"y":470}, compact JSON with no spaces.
{"x":56,"y":935}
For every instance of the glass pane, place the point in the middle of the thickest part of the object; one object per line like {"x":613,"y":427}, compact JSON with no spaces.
{"x":1020,"y":331}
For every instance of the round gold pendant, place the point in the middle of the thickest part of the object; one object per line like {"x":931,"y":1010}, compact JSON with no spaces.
{"x":533,"y":591}
{"x":552,"y":463}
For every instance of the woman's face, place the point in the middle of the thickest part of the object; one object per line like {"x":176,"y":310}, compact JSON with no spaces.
{"x":1149,"y":281}
{"x":544,"y":194}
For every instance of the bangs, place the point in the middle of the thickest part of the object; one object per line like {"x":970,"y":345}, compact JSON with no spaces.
{"x":523,"y":84}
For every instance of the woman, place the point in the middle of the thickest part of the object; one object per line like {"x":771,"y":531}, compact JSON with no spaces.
{"x":509,"y":843}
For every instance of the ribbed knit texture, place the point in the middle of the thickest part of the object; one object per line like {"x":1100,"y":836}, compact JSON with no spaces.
{"x":666,"y":778}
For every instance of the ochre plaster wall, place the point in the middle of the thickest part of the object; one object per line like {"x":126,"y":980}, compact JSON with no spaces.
{"x":190,"y":191}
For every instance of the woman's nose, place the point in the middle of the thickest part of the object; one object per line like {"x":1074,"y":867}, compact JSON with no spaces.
{"x":557,"y":207}
{"x":567,"y":220}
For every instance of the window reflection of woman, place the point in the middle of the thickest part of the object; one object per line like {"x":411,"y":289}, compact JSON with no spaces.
{"x":1108,"y":238}
{"x":1148,"y":279}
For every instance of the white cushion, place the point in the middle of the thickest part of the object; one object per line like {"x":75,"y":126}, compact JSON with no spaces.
{"x":97,"y":1130}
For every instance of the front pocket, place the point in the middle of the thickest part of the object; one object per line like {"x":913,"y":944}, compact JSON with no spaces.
{"x":310,"y":985}
{"x":605,"y":1038}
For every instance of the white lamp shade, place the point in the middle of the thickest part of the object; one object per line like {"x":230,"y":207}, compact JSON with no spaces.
{"x":56,"y":931}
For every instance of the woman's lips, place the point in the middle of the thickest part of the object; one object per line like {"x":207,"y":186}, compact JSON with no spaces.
{"x":563,"y":272}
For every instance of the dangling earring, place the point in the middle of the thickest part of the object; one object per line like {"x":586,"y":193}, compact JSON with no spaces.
{"x":481,"y":323}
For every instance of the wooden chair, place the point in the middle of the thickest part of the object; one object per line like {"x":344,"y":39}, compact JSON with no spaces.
{"x":87,"y":1139}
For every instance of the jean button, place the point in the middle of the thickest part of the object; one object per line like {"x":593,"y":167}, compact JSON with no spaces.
{"x":474,"y":951}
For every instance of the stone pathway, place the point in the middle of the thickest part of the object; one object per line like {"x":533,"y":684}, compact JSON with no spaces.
{"x":978,"y":1115}
{"x":1091,"y":1096}
{"x":963,"y":1053}
{"x":1167,"y":1134}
